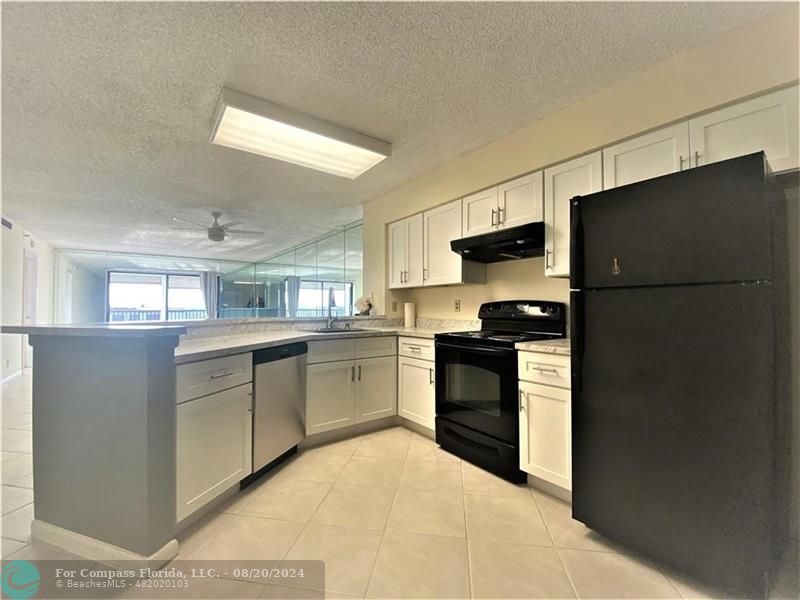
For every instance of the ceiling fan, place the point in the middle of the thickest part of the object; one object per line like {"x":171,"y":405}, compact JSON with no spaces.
{"x":217,"y":232}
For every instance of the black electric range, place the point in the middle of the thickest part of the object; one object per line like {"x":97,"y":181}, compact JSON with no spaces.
{"x":477,"y":387}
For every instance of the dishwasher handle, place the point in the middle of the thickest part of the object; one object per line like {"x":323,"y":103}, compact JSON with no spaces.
{"x":279,"y":353}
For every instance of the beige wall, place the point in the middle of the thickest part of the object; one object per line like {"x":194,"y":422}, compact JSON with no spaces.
{"x":16,"y":352}
{"x":11,"y":281}
{"x":758,"y":57}
{"x":88,"y":293}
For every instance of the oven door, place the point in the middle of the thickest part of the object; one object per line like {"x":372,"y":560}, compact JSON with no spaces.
{"x":476,"y":387}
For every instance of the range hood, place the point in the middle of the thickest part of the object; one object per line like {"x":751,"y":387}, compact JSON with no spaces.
{"x":523,"y":241}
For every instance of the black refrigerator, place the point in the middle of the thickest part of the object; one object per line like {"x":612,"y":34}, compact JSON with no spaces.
{"x":680,"y":332}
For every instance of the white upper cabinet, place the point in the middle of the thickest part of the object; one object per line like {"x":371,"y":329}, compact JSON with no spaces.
{"x":397,"y":254}
{"x":647,"y":156}
{"x":480,"y":212}
{"x":582,"y":175}
{"x":768,"y":123}
{"x":441,"y":226}
{"x":509,"y":204}
{"x":520,"y":201}
{"x":420,"y":254}
{"x":405,"y":252}
{"x":414,"y":251}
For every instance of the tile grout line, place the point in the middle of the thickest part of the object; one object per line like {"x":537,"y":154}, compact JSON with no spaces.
{"x":386,"y":523}
{"x":555,"y":546}
{"x":470,"y":583}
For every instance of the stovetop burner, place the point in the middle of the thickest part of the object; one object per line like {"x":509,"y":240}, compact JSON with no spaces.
{"x":499,"y":337}
{"x":509,"y":322}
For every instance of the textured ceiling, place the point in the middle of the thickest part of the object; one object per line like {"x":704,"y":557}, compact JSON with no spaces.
{"x":107,"y":107}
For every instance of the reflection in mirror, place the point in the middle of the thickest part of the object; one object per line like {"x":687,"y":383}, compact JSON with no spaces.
{"x":93,"y":287}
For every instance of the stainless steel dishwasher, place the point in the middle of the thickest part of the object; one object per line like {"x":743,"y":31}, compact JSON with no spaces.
{"x":279,"y":402}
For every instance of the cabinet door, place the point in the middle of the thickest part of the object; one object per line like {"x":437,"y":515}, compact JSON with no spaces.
{"x":397,"y":254}
{"x":413,"y":251}
{"x":545,"y":428}
{"x":480,"y":212}
{"x":416,"y":391}
{"x":441,"y":226}
{"x":214,"y":446}
{"x":647,"y":156}
{"x":520,"y":201}
{"x":562,"y":182}
{"x":376,"y":389}
{"x":768,"y":123}
{"x":330,"y":396}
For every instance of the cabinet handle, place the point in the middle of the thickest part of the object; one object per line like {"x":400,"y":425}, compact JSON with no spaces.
{"x":696,"y":158}
{"x":430,"y":376}
{"x":544,"y":370}
{"x":500,"y":216}
{"x":425,"y":274}
{"x":359,"y":372}
{"x":521,"y":396}
{"x":221,"y":375}
{"x":680,"y":162}
{"x":406,"y":276}
{"x":493,"y":219}
{"x":546,"y":259}
{"x":352,"y":373}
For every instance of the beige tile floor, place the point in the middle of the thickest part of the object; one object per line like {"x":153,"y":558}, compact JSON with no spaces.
{"x":392,"y":516}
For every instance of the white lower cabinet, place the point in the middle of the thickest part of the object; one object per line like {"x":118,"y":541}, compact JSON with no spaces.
{"x":343,"y":393}
{"x":545,"y":427}
{"x":416,"y":391}
{"x":330,"y":396}
{"x":214,"y":446}
{"x":376,"y":394}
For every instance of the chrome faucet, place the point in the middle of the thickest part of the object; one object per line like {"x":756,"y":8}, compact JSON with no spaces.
{"x":331,"y":304}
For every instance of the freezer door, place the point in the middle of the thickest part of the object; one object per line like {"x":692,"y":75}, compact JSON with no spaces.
{"x":704,"y":225}
{"x":673,"y":420}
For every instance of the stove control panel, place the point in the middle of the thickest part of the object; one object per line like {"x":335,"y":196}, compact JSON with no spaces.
{"x":522,"y":309}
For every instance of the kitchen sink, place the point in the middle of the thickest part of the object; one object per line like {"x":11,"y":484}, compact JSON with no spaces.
{"x":338,"y":330}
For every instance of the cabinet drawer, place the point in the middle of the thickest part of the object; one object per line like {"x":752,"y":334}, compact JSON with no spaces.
{"x":416,"y":348}
{"x":376,"y":346}
{"x":208,"y":376}
{"x":549,"y":369}
{"x":330,"y":350}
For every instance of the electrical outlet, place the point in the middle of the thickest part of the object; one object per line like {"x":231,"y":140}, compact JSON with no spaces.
{"x":457,"y":305}
{"x":394,"y":306}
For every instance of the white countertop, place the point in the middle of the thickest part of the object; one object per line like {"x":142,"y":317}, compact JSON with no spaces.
{"x":193,"y":349}
{"x":559,"y":346}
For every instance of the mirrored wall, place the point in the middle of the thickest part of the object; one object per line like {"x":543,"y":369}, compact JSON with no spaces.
{"x":303,"y":282}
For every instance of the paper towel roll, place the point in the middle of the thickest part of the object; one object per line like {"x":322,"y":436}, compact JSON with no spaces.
{"x":411,"y":314}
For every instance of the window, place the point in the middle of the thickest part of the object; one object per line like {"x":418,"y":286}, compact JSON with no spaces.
{"x":154,"y":297}
{"x":313,"y":296}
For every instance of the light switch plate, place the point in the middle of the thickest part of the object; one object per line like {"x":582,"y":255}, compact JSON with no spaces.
{"x":457,"y":305}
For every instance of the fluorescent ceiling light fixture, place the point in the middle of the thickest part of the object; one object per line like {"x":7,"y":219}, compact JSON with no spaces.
{"x":255,"y":125}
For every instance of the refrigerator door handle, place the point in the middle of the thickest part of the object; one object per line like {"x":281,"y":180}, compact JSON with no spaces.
{"x":576,"y":267}
{"x":578,"y":338}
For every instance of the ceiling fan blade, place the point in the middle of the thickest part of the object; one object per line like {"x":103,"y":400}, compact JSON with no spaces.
{"x":231,"y":224}
{"x":244,"y":231}
{"x":189,"y":228}
{"x":177,"y":220}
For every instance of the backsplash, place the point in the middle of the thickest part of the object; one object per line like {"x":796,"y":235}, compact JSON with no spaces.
{"x":223,"y":327}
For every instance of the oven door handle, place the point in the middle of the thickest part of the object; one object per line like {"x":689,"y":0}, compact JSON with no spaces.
{"x":469,"y":348}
